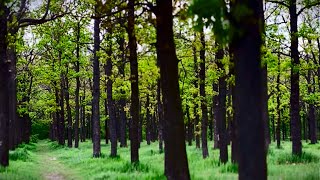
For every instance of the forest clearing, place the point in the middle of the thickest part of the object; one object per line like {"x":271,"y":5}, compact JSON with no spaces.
{"x":159,"y":89}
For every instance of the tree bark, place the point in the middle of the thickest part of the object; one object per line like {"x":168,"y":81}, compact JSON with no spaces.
{"x":160,"y":115}
{"x":204,"y":109}
{"x":248,"y":106}
{"x":295,"y":87}
{"x":96,"y":91}
{"x":215,"y":89}
{"x":4,"y":99}
{"x":221,"y":116}
{"x":77,"y":108}
{"x":134,"y":84}
{"x":278,"y":105}
{"x":69,"y":118}
{"x":176,"y":164}
{"x":195,"y":96}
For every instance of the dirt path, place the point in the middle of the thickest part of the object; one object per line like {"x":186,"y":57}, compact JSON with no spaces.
{"x":50,"y":167}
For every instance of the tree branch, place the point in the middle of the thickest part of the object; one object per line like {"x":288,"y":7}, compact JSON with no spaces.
{"x":30,"y":22}
{"x":309,"y":6}
{"x":278,"y":2}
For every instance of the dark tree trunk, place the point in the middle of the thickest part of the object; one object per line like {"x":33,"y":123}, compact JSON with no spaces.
{"x":311,"y":113}
{"x":234,"y":130}
{"x":69,"y":118}
{"x":111,"y":103}
{"x":106,"y":122}
{"x":211,"y":119}
{"x":122,"y":101}
{"x":140,"y":124}
{"x":134,"y":84}
{"x":61,"y":124}
{"x":204,"y":109}
{"x":96,"y":91}
{"x":148,"y":123}
{"x":215,"y":114}
{"x":295,"y":94}
{"x":273,"y":128}
{"x":4,"y":99}
{"x":221,"y":116}
{"x":176,"y":163}
{"x":83,"y":120}
{"x":160,"y":115}
{"x":195,"y":95}
{"x":77,"y":108}
{"x":278,"y":106}
{"x":12,"y":93}
{"x":264,"y":91}
{"x":233,"y":124}
{"x":248,"y":106}
{"x":189,"y":127}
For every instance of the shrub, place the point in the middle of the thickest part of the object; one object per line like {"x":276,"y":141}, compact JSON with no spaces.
{"x":19,"y":154}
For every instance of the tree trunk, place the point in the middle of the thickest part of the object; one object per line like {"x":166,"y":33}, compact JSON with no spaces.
{"x":195,"y":95}
{"x":295,"y":87}
{"x":96,"y":91}
{"x":111,"y":103}
{"x":176,"y":163}
{"x":189,"y":127}
{"x":77,"y":108}
{"x":61,"y":124}
{"x":160,"y":115}
{"x":278,"y":105}
{"x":311,"y":113}
{"x":4,"y":99}
{"x":221,"y":116}
{"x":215,"y":114}
{"x":69,"y":118}
{"x":134,"y":84}
{"x":204,"y":109}
{"x":148,"y":123}
{"x":248,"y":105}
{"x":12,"y":94}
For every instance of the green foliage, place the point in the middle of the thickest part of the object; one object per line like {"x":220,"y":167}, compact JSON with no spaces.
{"x":20,"y":154}
{"x":40,"y":129}
{"x":212,"y":13}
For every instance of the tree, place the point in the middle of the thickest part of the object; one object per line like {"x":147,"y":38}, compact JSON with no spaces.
{"x":4,"y":75}
{"x":134,"y":85}
{"x":96,"y":90}
{"x":202,"y":74}
{"x":176,"y":164}
{"x":248,"y":107}
{"x":221,"y":113}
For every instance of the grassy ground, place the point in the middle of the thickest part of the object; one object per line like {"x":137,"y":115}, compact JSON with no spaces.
{"x":47,"y":160}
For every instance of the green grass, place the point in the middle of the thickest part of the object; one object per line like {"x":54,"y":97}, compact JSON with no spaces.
{"x":36,"y":161}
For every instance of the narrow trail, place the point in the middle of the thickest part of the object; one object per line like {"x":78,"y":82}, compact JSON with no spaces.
{"x":50,"y":167}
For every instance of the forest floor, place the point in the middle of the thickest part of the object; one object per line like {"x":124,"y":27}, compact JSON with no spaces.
{"x":46,"y":160}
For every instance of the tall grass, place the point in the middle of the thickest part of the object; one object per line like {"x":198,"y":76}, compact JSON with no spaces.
{"x":281,"y":164}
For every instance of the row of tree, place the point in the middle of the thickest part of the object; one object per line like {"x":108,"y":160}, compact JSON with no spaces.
{"x":64,"y":78}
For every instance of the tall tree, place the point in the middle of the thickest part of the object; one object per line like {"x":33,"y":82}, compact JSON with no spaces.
{"x":77,"y":69}
{"x":204,"y":109}
{"x":4,"y":75}
{"x":96,"y":90}
{"x":295,"y":86}
{"x":221,"y":113}
{"x":248,"y":107}
{"x":176,"y":164}
{"x":134,"y":85}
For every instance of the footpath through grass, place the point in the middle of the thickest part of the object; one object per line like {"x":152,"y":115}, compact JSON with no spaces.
{"x":47,"y":160}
